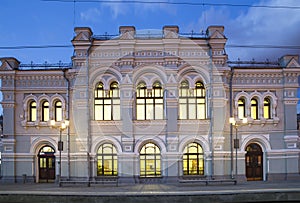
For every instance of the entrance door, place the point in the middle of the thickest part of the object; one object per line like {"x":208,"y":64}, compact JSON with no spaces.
{"x":46,"y":164}
{"x":254,"y":162}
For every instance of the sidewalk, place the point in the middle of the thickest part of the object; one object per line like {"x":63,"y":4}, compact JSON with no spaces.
{"x":242,"y":192}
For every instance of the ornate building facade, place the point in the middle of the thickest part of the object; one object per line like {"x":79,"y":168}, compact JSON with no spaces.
{"x":150,"y":106}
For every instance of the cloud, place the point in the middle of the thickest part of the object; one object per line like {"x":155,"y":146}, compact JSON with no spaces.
{"x":258,"y":26}
{"x":116,"y":9}
{"x":92,"y":14}
{"x":264,"y":26}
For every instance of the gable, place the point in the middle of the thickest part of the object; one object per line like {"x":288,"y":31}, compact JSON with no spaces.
{"x":9,"y":64}
{"x":293,"y":63}
{"x":217,"y":35}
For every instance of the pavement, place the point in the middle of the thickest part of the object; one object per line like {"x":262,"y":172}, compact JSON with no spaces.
{"x":254,"y":191}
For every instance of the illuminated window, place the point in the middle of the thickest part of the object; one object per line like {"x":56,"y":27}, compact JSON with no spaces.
{"x":254,"y":109}
{"x":267,"y":108}
{"x":107,"y":103}
{"x":150,"y":161}
{"x":193,"y":160}
{"x":192,"y":104}
{"x":149,"y":104}
{"x":58,"y":113}
{"x":241,"y":108}
{"x":45,"y":111}
{"x":32,"y":111}
{"x":107,"y":160}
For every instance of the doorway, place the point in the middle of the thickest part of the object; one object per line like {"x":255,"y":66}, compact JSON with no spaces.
{"x":46,"y":164}
{"x":254,"y":162}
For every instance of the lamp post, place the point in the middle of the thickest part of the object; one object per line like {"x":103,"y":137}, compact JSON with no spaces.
{"x":236,"y":144}
{"x":63,"y":125}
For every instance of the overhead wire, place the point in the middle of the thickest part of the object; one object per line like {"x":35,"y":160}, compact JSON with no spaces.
{"x":187,"y":3}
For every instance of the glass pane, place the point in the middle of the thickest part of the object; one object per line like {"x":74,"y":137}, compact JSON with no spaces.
{"x":182,"y":111}
{"x":149,"y":111}
{"x":140,"y":101}
{"x":33,"y":114}
{"x":192,"y":111}
{"x":140,"y":112}
{"x":266,"y":112}
{"x":98,"y":112}
{"x":107,"y":112}
{"x":43,"y":163}
{"x":184,"y":92}
{"x":107,"y":150}
{"x":241,"y":112}
{"x":46,"y":114}
{"x":107,"y":101}
{"x":201,"y":111}
{"x":159,"y":112}
{"x":192,"y":101}
{"x":116,"y":112}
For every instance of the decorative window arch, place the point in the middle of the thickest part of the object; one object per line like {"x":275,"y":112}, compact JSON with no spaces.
{"x":149,"y":102}
{"x":32,"y":111}
{"x":193,"y":159}
{"x":107,"y":103}
{"x":150,"y":160}
{"x":254,"y":109}
{"x":107,"y":160}
{"x":192,"y":103}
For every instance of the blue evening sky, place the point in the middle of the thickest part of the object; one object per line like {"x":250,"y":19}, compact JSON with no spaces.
{"x":52,"y":22}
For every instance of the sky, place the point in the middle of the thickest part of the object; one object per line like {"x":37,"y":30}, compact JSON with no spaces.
{"x":52,"y":22}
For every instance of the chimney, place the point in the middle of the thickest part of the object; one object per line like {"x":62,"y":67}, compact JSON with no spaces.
{"x":86,"y":31}
{"x":171,"y":31}
{"x":9,"y":63}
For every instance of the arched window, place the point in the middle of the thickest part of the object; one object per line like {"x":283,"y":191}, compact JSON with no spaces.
{"x":150,"y":161}
{"x":254,"y":109}
{"x":107,"y":103}
{"x":241,"y":108}
{"x":192,"y":104}
{"x":107,"y":160}
{"x":45,"y":111}
{"x":193,"y":160}
{"x":267,"y":108}
{"x":32,"y":111}
{"x":58,"y":112}
{"x":149,"y":104}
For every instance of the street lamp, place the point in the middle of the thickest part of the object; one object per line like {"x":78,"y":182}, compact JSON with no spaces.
{"x":236,"y":144}
{"x":63,"y":125}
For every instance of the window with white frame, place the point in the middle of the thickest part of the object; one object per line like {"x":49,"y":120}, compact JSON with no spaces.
{"x":32,"y":111}
{"x":107,"y":160}
{"x":192,"y":103}
{"x":107,"y":103}
{"x":254,"y":109}
{"x":149,"y":103}
{"x":45,"y":111}
{"x":241,"y":108}
{"x":58,"y":111}
{"x":267,"y":108}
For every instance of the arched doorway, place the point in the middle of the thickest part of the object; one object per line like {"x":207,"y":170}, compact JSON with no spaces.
{"x":254,"y":162}
{"x":46,"y":161}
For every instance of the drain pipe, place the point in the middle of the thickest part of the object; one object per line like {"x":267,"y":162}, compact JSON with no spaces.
{"x":211,"y":139}
{"x":231,"y":127}
{"x":68,"y":118}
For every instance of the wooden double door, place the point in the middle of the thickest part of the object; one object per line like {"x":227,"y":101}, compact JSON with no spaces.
{"x":254,"y":162}
{"x":46,"y":161}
